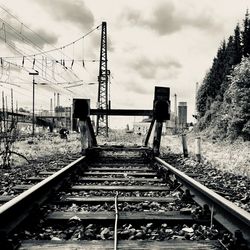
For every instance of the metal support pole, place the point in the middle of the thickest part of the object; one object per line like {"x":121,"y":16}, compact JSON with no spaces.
{"x":33,"y":108}
{"x":33,"y":102}
{"x":7,"y":116}
{"x":4,"y":117}
{"x":102,"y":100}
{"x":12,"y":106}
{"x":175,"y":114}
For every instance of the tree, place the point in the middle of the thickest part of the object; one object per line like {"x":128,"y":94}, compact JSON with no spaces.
{"x":246,"y":36}
{"x":201,"y":99}
{"x":237,"y":101}
{"x":222,"y":99}
{"x":237,"y":45}
{"x":212,"y":81}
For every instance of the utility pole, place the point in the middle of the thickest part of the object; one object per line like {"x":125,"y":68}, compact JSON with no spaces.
{"x":4,"y":115}
{"x":33,"y":101}
{"x":175,"y":113}
{"x":6,"y":107}
{"x":196,"y":92}
{"x":54,"y":101}
{"x":102,"y":100}
{"x":12,"y":106}
{"x":58,"y":99}
{"x":51,"y":106}
{"x":17,"y":110}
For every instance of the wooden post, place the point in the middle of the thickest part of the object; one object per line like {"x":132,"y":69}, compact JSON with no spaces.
{"x":91,"y":134}
{"x":198,"y":149}
{"x":157,"y":138}
{"x":84,"y":135}
{"x":184,"y":145}
{"x":149,"y":132}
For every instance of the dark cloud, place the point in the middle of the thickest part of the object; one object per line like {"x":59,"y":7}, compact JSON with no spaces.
{"x":74,"y":11}
{"x":165,"y":19}
{"x":148,"y":68}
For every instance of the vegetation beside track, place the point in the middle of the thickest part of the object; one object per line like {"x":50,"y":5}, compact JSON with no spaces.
{"x":233,"y":157}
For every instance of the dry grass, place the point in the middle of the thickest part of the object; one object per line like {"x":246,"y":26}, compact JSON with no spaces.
{"x":45,"y":146}
{"x":232,"y":157}
{"x":227,"y":156}
{"x":118,"y":137}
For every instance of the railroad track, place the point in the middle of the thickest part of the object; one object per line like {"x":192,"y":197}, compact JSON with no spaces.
{"x":120,"y":198}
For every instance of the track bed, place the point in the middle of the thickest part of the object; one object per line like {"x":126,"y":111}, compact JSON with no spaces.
{"x":114,"y":198}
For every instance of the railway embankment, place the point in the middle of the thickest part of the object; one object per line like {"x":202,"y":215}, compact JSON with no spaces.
{"x":227,"y":156}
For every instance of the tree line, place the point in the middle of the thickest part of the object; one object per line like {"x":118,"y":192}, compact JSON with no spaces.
{"x":223,"y":99}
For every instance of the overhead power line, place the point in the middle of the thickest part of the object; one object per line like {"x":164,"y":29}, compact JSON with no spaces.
{"x":49,"y":71}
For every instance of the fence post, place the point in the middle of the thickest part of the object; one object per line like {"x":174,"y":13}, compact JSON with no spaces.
{"x":184,"y":145}
{"x":198,"y":149}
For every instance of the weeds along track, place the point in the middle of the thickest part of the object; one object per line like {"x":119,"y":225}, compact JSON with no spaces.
{"x":120,"y":198}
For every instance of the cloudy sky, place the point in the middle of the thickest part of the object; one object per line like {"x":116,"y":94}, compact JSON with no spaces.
{"x":162,"y":42}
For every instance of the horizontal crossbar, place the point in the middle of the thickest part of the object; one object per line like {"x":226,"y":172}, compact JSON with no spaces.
{"x":122,"y":112}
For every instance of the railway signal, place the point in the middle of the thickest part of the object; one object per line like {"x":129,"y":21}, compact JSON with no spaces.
{"x":161,"y":113}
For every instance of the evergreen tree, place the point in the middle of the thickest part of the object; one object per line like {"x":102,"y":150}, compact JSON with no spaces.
{"x":201,"y":98}
{"x":246,"y":36}
{"x":229,"y":61}
{"x":212,"y":82}
{"x":217,"y":88}
{"x":237,"y":45}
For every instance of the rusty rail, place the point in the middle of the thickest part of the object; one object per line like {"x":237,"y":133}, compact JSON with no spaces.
{"x":16,"y":210}
{"x":226,"y":213}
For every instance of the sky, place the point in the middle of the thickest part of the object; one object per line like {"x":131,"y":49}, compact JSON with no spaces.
{"x":168,"y":43}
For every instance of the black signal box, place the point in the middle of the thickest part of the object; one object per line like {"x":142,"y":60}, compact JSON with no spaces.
{"x":162,"y":104}
{"x":81,"y":108}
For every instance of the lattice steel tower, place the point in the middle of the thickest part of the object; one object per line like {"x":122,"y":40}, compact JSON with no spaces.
{"x":102,"y":101}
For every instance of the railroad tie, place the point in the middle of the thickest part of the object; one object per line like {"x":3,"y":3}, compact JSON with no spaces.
{"x":120,"y":188}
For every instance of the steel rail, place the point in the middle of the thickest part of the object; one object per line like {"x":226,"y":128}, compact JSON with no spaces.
{"x":16,"y":210}
{"x":116,"y":222}
{"x":225,"y":212}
